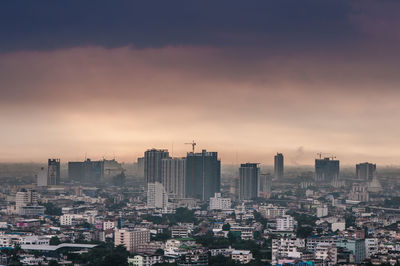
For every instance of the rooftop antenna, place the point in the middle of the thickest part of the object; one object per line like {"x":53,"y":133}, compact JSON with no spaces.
{"x":193,"y":144}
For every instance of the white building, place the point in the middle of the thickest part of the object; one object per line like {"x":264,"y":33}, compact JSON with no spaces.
{"x":145,"y":260}
{"x":286,"y":248}
{"x":69,"y":219}
{"x":271,"y":211}
{"x":327,"y":253}
{"x":219,"y":203}
{"x":24,"y":198}
{"x":108,"y":225}
{"x":322,"y":211}
{"x":341,"y":226}
{"x":131,"y":238}
{"x":285,"y":223}
{"x":242,"y":256}
{"x":156,"y":196}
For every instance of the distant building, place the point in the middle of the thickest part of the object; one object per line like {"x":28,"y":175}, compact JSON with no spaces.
{"x":131,"y":239}
{"x":219,"y":203}
{"x":322,"y":211}
{"x":326,"y":170}
{"x":111,"y":168}
{"x":242,"y":256}
{"x":156,"y":196}
{"x":278,"y":165}
{"x":286,"y":248}
{"x":203,"y":175}
{"x":87,"y":171}
{"x":249,"y":178}
{"x":327,"y":253}
{"x":264,"y":186}
{"x":356,"y":246}
{"x":53,"y":172}
{"x":173,"y":176}
{"x":365,"y":171}
{"x":359,"y":192}
{"x":153,"y":164}
{"x":285,"y":223}
{"x":41,"y":178}
{"x":25,"y":198}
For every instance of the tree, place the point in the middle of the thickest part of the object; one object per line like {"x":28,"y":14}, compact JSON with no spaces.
{"x":52,"y":209}
{"x":53,"y":263}
{"x":226,"y":227}
{"x":54,"y":241}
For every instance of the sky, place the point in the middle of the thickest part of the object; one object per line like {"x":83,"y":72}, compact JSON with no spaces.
{"x":244,"y":78}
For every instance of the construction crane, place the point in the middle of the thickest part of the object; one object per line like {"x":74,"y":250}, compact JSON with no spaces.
{"x":191,"y":143}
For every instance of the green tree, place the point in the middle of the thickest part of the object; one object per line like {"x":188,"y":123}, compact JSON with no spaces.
{"x":226,"y":227}
{"x":54,"y":241}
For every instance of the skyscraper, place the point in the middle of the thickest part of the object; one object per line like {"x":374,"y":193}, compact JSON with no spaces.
{"x":53,"y":172}
{"x":203,"y":175}
{"x":365,"y":171}
{"x":152,"y":164}
{"x":41,"y":178}
{"x":173,"y":176}
{"x":326,"y":170}
{"x":264,"y":185}
{"x":278,"y":165}
{"x":249,"y":181}
{"x":87,"y":171}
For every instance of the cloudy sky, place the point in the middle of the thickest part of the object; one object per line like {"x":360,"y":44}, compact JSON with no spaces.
{"x":244,"y":78}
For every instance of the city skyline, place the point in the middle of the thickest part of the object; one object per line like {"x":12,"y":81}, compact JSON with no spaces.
{"x":297,"y":78}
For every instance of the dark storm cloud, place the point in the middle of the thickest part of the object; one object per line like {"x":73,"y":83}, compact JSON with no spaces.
{"x":42,"y":25}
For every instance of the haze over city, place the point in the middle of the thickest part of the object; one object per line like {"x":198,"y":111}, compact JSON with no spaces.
{"x":298,"y":77}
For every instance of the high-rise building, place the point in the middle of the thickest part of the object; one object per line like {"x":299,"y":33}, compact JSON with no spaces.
{"x":25,"y":198}
{"x":41,"y":178}
{"x":265,"y":185}
{"x":87,"y":171}
{"x":156,"y":196}
{"x":112,"y":168}
{"x":173,"y":176}
{"x":249,"y":180}
{"x":53,"y":172}
{"x":278,"y":165}
{"x":365,"y":171}
{"x":326,"y":170}
{"x":131,"y":239}
{"x":203,"y":175}
{"x":152,"y":164}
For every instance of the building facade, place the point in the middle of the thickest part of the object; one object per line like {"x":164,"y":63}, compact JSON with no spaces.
{"x":53,"y":172}
{"x":203,"y":175}
{"x":173,"y":176}
{"x":249,"y":178}
{"x":278,"y":165}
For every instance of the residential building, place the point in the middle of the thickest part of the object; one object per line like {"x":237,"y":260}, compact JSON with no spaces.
{"x":249,"y":178}
{"x":153,"y":165}
{"x":326,"y":170}
{"x":242,"y":256}
{"x":53,"y":172}
{"x":173,"y":176}
{"x":365,"y":171}
{"x":131,"y":238}
{"x":219,"y":203}
{"x":156,"y":196}
{"x":285,"y":223}
{"x":278,"y":166}
{"x":203,"y":175}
